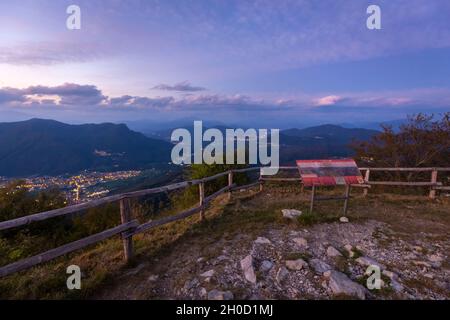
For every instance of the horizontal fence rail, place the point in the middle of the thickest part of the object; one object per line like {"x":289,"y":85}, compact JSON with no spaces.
{"x":407,"y":169}
{"x":91,"y":204}
{"x":128,"y":227}
{"x":57,"y":252}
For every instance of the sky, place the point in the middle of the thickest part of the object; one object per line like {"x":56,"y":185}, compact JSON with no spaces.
{"x":266,"y":63}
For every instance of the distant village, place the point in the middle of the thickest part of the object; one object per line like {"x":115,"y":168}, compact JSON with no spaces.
{"x":78,"y":188}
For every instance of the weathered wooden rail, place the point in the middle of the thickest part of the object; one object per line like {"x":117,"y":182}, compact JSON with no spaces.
{"x":128,"y":227}
{"x":433,"y":183}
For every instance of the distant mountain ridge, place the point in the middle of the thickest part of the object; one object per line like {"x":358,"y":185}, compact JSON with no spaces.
{"x":331,"y":131}
{"x":324,"y":141}
{"x":48,"y":147}
{"x":320,"y":142}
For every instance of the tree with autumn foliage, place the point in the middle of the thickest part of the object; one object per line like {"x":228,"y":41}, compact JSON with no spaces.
{"x":423,"y":141}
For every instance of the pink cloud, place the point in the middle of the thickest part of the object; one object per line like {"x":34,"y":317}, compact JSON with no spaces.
{"x":327,"y":101}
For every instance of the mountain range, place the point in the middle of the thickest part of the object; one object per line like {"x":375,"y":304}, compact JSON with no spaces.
{"x":47,"y":147}
{"x":324,"y":141}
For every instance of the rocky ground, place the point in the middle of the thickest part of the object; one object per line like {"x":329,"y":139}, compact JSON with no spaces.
{"x":288,"y":260}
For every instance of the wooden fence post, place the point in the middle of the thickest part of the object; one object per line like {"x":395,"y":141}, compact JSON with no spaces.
{"x":434,"y":175}
{"x":230,"y":183}
{"x":366,"y":180}
{"x":313,"y":196}
{"x":125,"y":217}
{"x":261,"y":181}
{"x":201,"y":189}
{"x":347,"y":197}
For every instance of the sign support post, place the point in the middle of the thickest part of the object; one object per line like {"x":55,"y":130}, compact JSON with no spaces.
{"x":316,"y":173}
{"x":313,"y":195}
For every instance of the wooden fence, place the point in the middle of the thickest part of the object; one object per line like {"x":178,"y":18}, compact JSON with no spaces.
{"x":129,"y":227}
{"x":433,"y":184}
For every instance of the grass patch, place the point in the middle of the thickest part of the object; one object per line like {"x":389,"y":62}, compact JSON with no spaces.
{"x":309,"y":219}
{"x":386,"y":289}
{"x":341,"y":264}
{"x":356,"y":253}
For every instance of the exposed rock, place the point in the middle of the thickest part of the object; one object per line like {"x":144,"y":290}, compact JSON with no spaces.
{"x":296,"y":264}
{"x":319,"y":266}
{"x":282,"y":274}
{"x":436,"y":260}
{"x":397,"y":286}
{"x":266,"y":265}
{"x":348,"y":247}
{"x":153,"y":277}
{"x":301,"y":242}
{"x":208,"y":274}
{"x":332,"y":252}
{"x":222,"y":257}
{"x":262,"y":240}
{"x":271,"y":277}
{"x":220,"y":295}
{"x":410,"y":256}
{"x":291,"y":213}
{"x":247,"y":267}
{"x":339,"y":283}
{"x":188,"y":285}
{"x":366,"y":261}
{"x":343,"y":219}
{"x":422,"y":264}
{"x":391,"y":275}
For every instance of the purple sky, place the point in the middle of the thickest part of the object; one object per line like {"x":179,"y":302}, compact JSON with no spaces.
{"x":280,"y":62}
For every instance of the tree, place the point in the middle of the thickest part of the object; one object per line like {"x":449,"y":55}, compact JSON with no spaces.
{"x":423,"y":141}
{"x":16,"y":200}
{"x":199,"y":171}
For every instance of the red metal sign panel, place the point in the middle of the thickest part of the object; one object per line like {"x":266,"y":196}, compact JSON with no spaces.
{"x":329,"y":172}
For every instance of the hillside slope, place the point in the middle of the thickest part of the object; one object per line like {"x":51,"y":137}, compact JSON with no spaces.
{"x":247,"y":250}
{"x":47,"y":147}
{"x":189,"y":259}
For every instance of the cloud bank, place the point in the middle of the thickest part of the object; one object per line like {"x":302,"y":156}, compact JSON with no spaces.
{"x":90,"y":97}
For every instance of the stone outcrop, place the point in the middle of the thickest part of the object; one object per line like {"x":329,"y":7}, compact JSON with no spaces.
{"x":220,"y":295}
{"x":291,"y":213}
{"x":339,"y":284}
{"x":298,"y":264}
{"x":247,"y":268}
